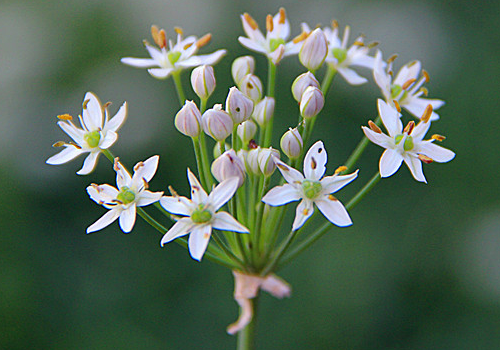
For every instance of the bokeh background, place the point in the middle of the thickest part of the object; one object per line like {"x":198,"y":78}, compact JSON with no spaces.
{"x":419,"y":269}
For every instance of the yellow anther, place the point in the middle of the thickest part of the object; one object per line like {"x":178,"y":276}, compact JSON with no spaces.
{"x":302,"y":36}
{"x":59,"y":144}
{"x":162,"y":39}
{"x":374,"y":127}
{"x":146,"y":185}
{"x":282,"y":167}
{"x":438,"y":137}
{"x":179,"y":30}
{"x":154,"y":33}
{"x":409,"y":128}
{"x":251,"y":22}
{"x":85,"y":103}
{"x":392,"y":58}
{"x":408,"y":83}
{"x":172,"y":191}
{"x":305,"y":211}
{"x":187,"y":46}
{"x":332,"y":197}
{"x":358,"y":43}
{"x":282,"y":16}
{"x":138,"y":166}
{"x":340,"y":169}
{"x":426,"y":75}
{"x":373,"y":44}
{"x":313,"y":163}
{"x":269,"y":23}
{"x":335,"y":24}
{"x":65,"y":117}
{"x":412,"y":63}
{"x":107,"y":104}
{"x":396,"y":104}
{"x":115,"y":164}
{"x":427,"y":114}
{"x":424,"y":90}
{"x":425,"y":159}
{"x":205,"y":39}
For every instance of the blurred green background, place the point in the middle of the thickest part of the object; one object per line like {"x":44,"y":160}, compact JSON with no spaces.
{"x":419,"y":269}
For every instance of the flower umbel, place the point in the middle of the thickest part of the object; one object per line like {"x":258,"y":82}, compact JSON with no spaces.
{"x":200,"y":214}
{"x":405,"y":144}
{"x":311,"y":188}
{"x":131,"y":193}
{"x":98,"y":132}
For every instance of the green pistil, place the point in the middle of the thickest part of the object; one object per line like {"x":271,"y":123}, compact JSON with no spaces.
{"x":408,"y":145}
{"x":339,"y":54}
{"x":201,"y":215}
{"x":396,"y":91}
{"x":126,"y":195}
{"x":311,"y":188}
{"x":92,"y":138}
{"x":173,"y":56}
{"x":274,"y":43}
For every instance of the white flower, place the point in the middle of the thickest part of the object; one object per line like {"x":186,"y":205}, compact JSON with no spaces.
{"x":405,"y":145}
{"x":131,"y":193}
{"x":98,"y":132}
{"x":200,"y":214}
{"x":177,"y":57}
{"x":406,"y":88}
{"x":313,"y":188}
{"x":274,"y":44}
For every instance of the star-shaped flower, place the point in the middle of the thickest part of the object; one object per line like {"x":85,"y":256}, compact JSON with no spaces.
{"x":274,"y":44}
{"x":311,"y":188}
{"x":98,"y":132}
{"x":406,"y":88}
{"x":165,"y":61}
{"x":405,"y":144}
{"x":200,"y":214}
{"x":131,"y":193}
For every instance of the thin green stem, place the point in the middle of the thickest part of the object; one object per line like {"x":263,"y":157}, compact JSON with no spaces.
{"x":228,"y":252}
{"x":271,"y":86}
{"x":328,"y":80}
{"x":178,"y":87}
{"x":358,"y":151}
{"x":199,"y":164}
{"x":205,"y":162}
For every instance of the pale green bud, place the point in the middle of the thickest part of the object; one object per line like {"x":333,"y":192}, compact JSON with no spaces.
{"x":301,"y":83}
{"x":246,"y":131}
{"x":203,"y":81}
{"x":251,"y":86}
{"x":314,"y":50}
{"x":252,"y":161}
{"x":238,"y":105}
{"x":263,"y":111}
{"x":188,"y":120}
{"x":291,"y":143}
{"x":312,"y":102}
{"x":217,"y":123}
{"x":229,"y":165}
{"x":266,"y":160}
{"x":242,"y":66}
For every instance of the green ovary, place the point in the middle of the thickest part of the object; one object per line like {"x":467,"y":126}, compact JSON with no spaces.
{"x":339,"y":54}
{"x":408,"y":145}
{"x":92,"y":138}
{"x":174,"y":56}
{"x":396,"y":91}
{"x":126,"y":195}
{"x":201,"y":215}
{"x":274,"y":43}
{"x":311,"y":188}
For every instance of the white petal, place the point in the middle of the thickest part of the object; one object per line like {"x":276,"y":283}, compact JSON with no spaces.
{"x":145,"y":171}
{"x":315,"y":161}
{"x":198,"y":241}
{"x":93,"y":114}
{"x":334,"y":211}
{"x":180,"y":228}
{"x":108,"y":140}
{"x":280,"y":195}
{"x":223,"y":192}
{"x":292,"y":48}
{"x":277,"y":54}
{"x":177,"y":205}
{"x":379,"y":139}
{"x":199,"y":60}
{"x":389,"y":162}
{"x":89,"y":163}
{"x":225,"y":222}
{"x":254,"y":34}
{"x":123,"y":178}
{"x":252,"y":45}
{"x":105,"y":220}
{"x":390,"y":117}
{"x":363,"y":60}
{"x":160,"y":73}
{"x":68,"y":153}
{"x":437,"y":153}
{"x":417,"y":106}
{"x":304,"y":210}
{"x":117,"y":121}
{"x":139,"y":62}
{"x":331,"y":184}
{"x":198,"y":194}
{"x":75,"y":133}
{"x":102,"y":193}
{"x":148,"y":197}
{"x":415,"y":166}
{"x":127,"y":219}
{"x":351,"y":76}
{"x":380,"y":76}
{"x":420,"y":130}
{"x":290,"y":174}
{"x":407,"y":72}
{"x":156,"y":54}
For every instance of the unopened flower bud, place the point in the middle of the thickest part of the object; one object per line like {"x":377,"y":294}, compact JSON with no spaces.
{"x":246,"y":131}
{"x":219,"y":149}
{"x":242,"y":66}
{"x":291,"y":143}
{"x":188,"y":120}
{"x":312,"y":102}
{"x":266,"y":160}
{"x":229,"y":165}
{"x":238,"y":105}
{"x":217,"y":123}
{"x":314,"y":50}
{"x":263,"y":111}
{"x":251,"y":86}
{"x":252,"y":161}
{"x":203,"y":81}
{"x":301,"y":83}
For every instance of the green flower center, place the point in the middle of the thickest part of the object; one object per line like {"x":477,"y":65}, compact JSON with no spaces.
{"x":408,"y":145}
{"x":92,"y":138}
{"x":126,"y":195}
{"x":311,"y":188}
{"x":201,"y":215}
{"x":339,"y":54}
{"x":174,"y":56}
{"x":396,"y":90}
{"x":274,"y":43}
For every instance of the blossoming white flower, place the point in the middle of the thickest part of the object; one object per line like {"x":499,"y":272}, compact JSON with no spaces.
{"x":200,"y":214}
{"x":131,"y":193}
{"x":313,"y":188}
{"x":179,"y":56}
{"x":98,"y":132}
{"x":405,"y":145}
{"x":341,"y":58}
{"x":274,"y":44}
{"x":406,"y":88}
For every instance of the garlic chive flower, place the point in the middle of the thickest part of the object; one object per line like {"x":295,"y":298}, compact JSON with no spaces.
{"x":314,"y":50}
{"x":274,"y":45}
{"x":311,"y":188}
{"x":169,"y":58}
{"x":97,"y":133}
{"x":200,"y":214}
{"x":405,"y":144}
{"x":406,"y":88}
{"x":131,"y":193}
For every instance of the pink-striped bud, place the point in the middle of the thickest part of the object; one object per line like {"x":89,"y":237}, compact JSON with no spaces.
{"x":301,"y":83}
{"x":312,"y":102}
{"x":238,"y":105}
{"x":188,"y":120}
{"x":314,"y":50}
{"x":251,"y":86}
{"x":242,"y":66}
{"x":229,"y":165}
{"x":203,"y":81}
{"x":291,"y":143}
{"x":217,"y":123}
